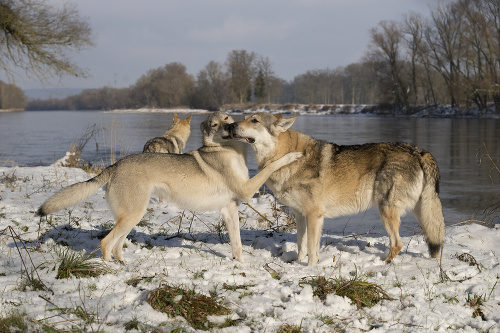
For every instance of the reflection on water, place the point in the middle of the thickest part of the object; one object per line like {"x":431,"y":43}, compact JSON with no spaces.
{"x":468,"y":182}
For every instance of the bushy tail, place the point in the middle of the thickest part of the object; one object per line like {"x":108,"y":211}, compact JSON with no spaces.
{"x":75,"y":193}
{"x":429,"y":210}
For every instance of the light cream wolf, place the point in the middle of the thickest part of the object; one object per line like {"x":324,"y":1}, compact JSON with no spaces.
{"x":210,"y":178}
{"x":332,"y":180}
{"x":173,"y":140}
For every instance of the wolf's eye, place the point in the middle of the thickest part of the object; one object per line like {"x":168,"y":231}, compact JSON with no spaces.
{"x":226,"y":118}
{"x":214,"y":125}
{"x":254,"y":121}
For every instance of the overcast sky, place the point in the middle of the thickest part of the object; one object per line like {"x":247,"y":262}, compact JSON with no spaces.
{"x":297,"y":35}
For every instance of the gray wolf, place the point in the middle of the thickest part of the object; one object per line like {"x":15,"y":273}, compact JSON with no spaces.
{"x":214,"y":177}
{"x":173,"y":140}
{"x":332,"y":180}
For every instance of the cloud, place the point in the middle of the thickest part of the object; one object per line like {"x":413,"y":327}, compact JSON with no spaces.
{"x":237,"y":28}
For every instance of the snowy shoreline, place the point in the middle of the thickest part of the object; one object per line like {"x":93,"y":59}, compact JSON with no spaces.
{"x":332,"y":110}
{"x":201,"y":260}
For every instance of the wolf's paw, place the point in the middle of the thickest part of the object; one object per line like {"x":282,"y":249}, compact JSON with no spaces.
{"x":291,"y":157}
{"x":240,"y":259}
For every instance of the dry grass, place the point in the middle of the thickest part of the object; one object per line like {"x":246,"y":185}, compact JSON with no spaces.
{"x":193,"y":307}
{"x":282,"y":220}
{"x":468,"y":258}
{"x":11,"y":181}
{"x":475,"y":303}
{"x":79,"y":265}
{"x":13,"y":323}
{"x":287,"y":328}
{"x":75,"y":159}
{"x":361,"y":292}
{"x":113,"y":143}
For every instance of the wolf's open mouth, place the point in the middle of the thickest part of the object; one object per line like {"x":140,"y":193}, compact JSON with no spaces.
{"x":250,"y":140}
{"x":237,"y":137}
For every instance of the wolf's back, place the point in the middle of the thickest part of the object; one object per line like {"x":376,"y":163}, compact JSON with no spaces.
{"x":75,"y":193}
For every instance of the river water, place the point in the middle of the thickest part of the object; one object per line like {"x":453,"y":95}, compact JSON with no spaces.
{"x":463,"y":148}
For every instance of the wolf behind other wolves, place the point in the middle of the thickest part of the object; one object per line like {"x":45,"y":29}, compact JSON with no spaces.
{"x":214,"y":177}
{"x":173,"y":140}
{"x":332,"y":180}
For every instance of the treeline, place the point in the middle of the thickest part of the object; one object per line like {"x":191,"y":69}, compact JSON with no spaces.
{"x":11,"y":97}
{"x":451,"y":58}
{"x":244,"y":77}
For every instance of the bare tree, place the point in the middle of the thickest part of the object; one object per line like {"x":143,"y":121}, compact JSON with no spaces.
{"x":39,"y":38}
{"x":414,"y":28}
{"x":11,"y":97}
{"x":446,"y":47}
{"x":385,"y":49}
{"x":212,"y":83}
{"x":276,"y":89}
{"x":305,"y":87}
{"x":481,"y":58}
{"x":491,"y":11}
{"x":361,"y":85}
{"x":264,"y":66}
{"x":324,"y":86}
{"x":165,"y":86}
{"x":177,"y":85}
{"x":241,"y":69}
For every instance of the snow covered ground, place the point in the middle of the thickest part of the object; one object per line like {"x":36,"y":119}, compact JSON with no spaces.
{"x":181,"y":248}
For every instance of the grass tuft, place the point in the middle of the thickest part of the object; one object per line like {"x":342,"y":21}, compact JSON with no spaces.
{"x":193,"y":307}
{"x":79,"y":265}
{"x":134,"y":282}
{"x":357,"y":289}
{"x":13,"y":323}
{"x":32,"y":284}
{"x":287,"y":328}
{"x":475,"y":303}
{"x":133,"y":324}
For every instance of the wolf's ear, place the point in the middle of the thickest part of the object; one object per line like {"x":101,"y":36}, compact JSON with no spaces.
{"x":188,"y":120}
{"x":283,"y":124}
{"x":176,"y":118}
{"x":205,"y":127}
{"x":278,"y":115}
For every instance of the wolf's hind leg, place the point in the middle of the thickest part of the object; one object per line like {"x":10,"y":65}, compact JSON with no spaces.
{"x":108,"y":242}
{"x":128,"y":200}
{"x":391,"y":217}
{"x":113,"y":242}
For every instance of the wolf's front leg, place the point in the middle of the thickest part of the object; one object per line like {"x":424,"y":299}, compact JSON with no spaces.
{"x":232,"y":220}
{"x":315,"y":220}
{"x":301,"y":234}
{"x":252,"y":185}
{"x":287,"y":159}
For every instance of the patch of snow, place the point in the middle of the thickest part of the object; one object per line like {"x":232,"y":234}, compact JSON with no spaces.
{"x":182,"y":248}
